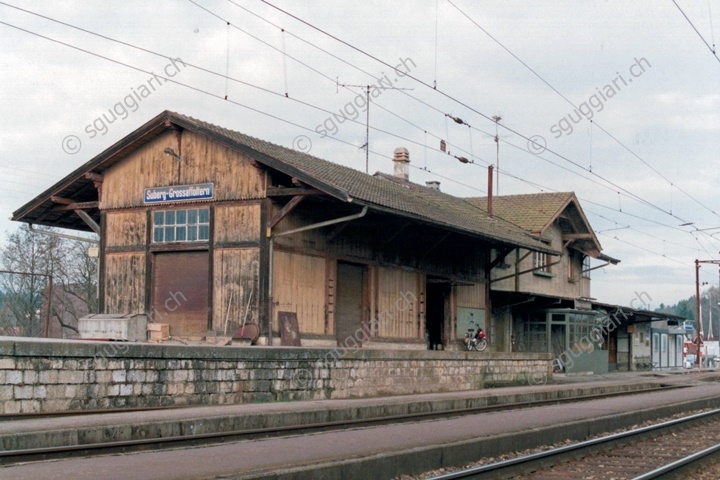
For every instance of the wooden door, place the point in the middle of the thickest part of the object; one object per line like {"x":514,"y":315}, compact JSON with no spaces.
{"x":180,"y":292}
{"x":612,"y":348}
{"x":348,"y":307}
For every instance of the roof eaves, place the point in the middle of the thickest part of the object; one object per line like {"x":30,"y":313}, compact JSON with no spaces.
{"x":263,"y":158}
{"x":78,"y":175}
{"x":608,"y":258}
{"x":532,"y":243}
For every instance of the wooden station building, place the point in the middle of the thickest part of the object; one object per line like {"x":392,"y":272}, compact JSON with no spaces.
{"x":205,"y":228}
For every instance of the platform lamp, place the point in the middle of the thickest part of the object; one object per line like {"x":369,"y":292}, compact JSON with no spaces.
{"x":171,"y":153}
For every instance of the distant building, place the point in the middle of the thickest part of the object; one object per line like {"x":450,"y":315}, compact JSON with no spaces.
{"x":543,"y":303}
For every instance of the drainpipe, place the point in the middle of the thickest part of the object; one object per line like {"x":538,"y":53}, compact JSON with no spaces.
{"x":271,"y":249}
{"x":62,"y":235}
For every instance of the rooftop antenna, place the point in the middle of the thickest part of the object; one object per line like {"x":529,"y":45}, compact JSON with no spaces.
{"x":367,"y":119}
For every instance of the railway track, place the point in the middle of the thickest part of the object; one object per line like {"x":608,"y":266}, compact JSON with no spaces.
{"x":9,"y":457}
{"x":680,"y":448}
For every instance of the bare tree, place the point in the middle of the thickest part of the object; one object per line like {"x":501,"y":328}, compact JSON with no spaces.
{"x":37,"y":258}
{"x":75,"y":287}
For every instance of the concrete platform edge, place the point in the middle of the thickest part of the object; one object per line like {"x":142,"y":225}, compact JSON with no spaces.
{"x":420,"y":460}
{"x":184,"y":423}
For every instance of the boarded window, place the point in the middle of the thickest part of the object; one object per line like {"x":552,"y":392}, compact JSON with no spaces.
{"x":180,"y":292}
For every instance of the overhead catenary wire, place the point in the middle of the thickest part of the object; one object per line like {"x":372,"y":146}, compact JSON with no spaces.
{"x":712,"y":49}
{"x":402,"y":118}
{"x":572,"y":104}
{"x":275,"y":93}
{"x":264,"y":113}
{"x":220,"y":97}
{"x":227,"y":22}
{"x":248,"y":84}
{"x":199,"y":90}
{"x":469,"y":107}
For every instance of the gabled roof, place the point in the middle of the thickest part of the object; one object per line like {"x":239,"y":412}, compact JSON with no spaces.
{"x":343,"y":183}
{"x":535,"y":212}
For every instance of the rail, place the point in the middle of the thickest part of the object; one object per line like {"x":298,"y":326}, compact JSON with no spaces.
{"x":519,"y":466}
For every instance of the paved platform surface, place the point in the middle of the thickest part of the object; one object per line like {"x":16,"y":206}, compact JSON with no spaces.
{"x":383,"y":451}
{"x":96,"y":428}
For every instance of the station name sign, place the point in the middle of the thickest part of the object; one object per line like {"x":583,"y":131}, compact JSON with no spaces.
{"x":179,"y":193}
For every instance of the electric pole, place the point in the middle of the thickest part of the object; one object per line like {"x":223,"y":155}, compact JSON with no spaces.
{"x":367,"y":117}
{"x":497,"y":118}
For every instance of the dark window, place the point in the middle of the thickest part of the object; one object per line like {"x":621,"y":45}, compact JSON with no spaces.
{"x":586,"y":267}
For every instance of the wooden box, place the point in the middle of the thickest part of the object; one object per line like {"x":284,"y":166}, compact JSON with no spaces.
{"x":158,"y":331}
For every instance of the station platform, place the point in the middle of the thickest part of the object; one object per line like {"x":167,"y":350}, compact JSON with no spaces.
{"x":89,"y":428}
{"x":379,"y":452}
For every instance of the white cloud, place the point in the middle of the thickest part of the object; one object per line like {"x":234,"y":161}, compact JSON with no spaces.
{"x":668,"y":116}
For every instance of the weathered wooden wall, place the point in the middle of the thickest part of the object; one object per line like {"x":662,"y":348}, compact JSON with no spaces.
{"x":203,"y":161}
{"x":300,"y":286}
{"x":385,"y":240}
{"x":398,"y":311}
{"x":126,"y":229}
{"x":237,"y":223}
{"x":398,"y":258}
{"x":236,"y":265}
{"x":235,"y":287}
{"x":471,"y":296}
{"x":125,"y":282}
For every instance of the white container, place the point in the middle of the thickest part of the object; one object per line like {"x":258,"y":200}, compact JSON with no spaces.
{"x":131,"y":326}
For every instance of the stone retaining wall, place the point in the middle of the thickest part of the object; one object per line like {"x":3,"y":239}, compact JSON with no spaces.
{"x":38,"y":375}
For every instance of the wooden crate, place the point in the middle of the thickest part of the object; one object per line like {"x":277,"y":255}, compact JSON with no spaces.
{"x":158,"y":331}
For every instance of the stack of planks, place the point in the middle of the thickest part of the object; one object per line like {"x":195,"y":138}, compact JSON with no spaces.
{"x":159,"y":332}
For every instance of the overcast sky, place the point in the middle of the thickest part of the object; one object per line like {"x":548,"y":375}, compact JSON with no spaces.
{"x":637,"y":68}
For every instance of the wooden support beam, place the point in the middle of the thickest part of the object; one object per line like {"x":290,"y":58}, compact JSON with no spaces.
{"x":286,"y":192}
{"x":284,"y":212}
{"x":523,"y":272}
{"x":523,"y":257}
{"x":64,"y":201}
{"x":336,"y":231}
{"x":595,"y":268}
{"x":88,"y":219}
{"x":397,"y":232}
{"x":502,"y":253}
{"x":77,"y":206}
{"x":576,"y":236}
{"x":435,"y":245}
{"x":95,"y":177}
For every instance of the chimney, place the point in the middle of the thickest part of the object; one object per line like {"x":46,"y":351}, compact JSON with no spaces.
{"x":401,"y":159}
{"x":434,"y":184}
